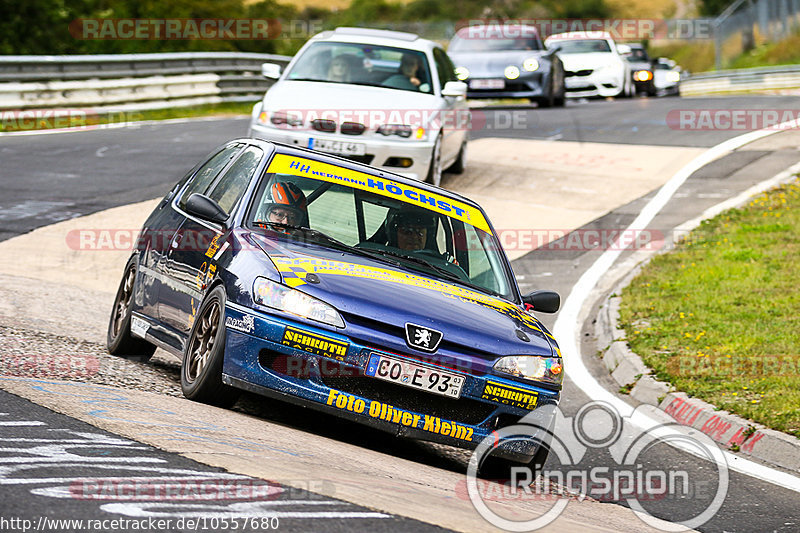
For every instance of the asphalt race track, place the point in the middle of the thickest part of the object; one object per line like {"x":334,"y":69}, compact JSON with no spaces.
{"x":56,"y":177}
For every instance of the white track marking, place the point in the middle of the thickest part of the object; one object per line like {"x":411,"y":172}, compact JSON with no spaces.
{"x":567,"y":326}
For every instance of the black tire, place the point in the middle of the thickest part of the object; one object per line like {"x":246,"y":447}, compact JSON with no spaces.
{"x":549,"y":100}
{"x":561,"y":99}
{"x":435,"y":169}
{"x":495,"y":468}
{"x":119,"y":340}
{"x":201,"y":369}
{"x":460,"y":164}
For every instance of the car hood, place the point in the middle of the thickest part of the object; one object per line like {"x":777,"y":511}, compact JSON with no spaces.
{"x":493,"y":63}
{"x":591,"y":60}
{"x":367,"y":290}
{"x":307,"y":97}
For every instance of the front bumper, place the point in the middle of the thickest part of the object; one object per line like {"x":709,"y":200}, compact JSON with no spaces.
{"x":378,"y":151}
{"x":260,"y":360}
{"x":598,"y":83}
{"x":531,"y":86}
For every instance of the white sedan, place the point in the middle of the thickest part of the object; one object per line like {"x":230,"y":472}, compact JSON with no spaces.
{"x":592,"y":64}
{"x":388,"y":99}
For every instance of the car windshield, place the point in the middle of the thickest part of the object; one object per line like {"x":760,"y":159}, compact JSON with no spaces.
{"x":464,"y":42}
{"x":581,"y":46}
{"x":363,"y":64}
{"x":425,"y":233}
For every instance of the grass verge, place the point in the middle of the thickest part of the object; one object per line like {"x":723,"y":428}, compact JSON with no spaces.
{"x":24,"y":120}
{"x":719,"y":317}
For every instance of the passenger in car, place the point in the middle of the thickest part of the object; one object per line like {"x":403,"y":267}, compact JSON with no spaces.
{"x":407,"y":77}
{"x":287,"y":204}
{"x":411,"y":230}
{"x":339,"y":71}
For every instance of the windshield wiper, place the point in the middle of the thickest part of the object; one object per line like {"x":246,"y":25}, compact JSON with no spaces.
{"x":335,"y":243}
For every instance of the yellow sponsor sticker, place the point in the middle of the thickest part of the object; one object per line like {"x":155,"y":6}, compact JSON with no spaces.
{"x":294,"y":272}
{"x":300,"y":166}
{"x":508,"y":395}
{"x":314,"y":343}
{"x":395,"y":415}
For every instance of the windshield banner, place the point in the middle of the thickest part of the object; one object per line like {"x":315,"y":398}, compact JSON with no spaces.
{"x":300,"y":166}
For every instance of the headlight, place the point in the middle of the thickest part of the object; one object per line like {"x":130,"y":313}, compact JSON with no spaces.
{"x":511,"y":72}
{"x":277,"y":296}
{"x":462,"y":73}
{"x":530,"y":64}
{"x":280,"y":118}
{"x":401,"y":130}
{"x":673,"y":77}
{"x":643,"y":75}
{"x":548,"y":369}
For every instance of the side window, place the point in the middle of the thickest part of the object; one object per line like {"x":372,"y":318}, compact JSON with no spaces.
{"x":230,"y":188}
{"x":445,"y":67}
{"x":205,"y":176}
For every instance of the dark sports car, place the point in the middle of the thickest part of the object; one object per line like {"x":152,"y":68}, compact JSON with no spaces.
{"x":334,"y":285}
{"x":507,"y":62}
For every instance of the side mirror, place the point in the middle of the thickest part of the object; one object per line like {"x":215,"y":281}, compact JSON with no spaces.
{"x":543,"y":301}
{"x":271,"y":70}
{"x":454,"y":88}
{"x":204,"y":207}
{"x":624,"y":49}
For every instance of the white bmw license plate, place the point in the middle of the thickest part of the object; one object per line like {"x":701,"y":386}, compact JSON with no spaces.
{"x":487,"y":84}
{"x":337,"y":147}
{"x":415,"y":376}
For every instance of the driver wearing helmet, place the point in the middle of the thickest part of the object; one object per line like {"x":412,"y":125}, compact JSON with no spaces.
{"x":288,"y":204}
{"x":411,"y":229}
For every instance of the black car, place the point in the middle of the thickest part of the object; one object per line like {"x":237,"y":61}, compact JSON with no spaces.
{"x":507,"y":62}
{"x":642,"y":69}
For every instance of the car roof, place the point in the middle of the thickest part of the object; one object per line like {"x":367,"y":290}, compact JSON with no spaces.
{"x":288,"y":149}
{"x":580,"y":35}
{"x":397,"y":39}
{"x":500,"y":28}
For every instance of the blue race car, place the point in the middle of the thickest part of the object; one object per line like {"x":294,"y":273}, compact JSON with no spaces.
{"x":324,"y":282}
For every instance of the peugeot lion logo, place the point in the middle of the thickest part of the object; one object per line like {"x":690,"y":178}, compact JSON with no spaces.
{"x":422,"y":338}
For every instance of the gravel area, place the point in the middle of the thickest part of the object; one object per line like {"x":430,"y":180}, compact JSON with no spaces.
{"x":33,"y":354}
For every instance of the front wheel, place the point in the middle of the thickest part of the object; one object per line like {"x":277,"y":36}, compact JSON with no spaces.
{"x":435,"y":169}
{"x":201,"y":369}
{"x":460,"y":164}
{"x":119,"y":340}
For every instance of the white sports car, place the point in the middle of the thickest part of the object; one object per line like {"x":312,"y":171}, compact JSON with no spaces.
{"x":385,"y":98}
{"x":592,"y":65}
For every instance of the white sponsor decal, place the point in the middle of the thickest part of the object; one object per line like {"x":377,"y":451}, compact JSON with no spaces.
{"x":242,"y":324}
{"x":139,"y":327}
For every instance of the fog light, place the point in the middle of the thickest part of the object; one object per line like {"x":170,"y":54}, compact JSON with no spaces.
{"x":402,"y":162}
{"x":511,"y":72}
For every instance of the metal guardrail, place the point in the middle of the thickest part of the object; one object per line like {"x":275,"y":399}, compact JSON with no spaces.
{"x":742,"y":81}
{"x":132,"y":81}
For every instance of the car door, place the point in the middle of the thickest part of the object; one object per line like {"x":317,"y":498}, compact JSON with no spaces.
{"x":171,"y":281}
{"x":456,"y":111}
{"x":192,"y":262}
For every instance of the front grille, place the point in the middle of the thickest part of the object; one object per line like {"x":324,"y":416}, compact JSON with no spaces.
{"x":352,"y":128}
{"x":584,"y":72}
{"x":464,"y":410}
{"x":327,"y":126}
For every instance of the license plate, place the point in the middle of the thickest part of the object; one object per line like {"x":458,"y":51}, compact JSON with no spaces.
{"x":487,"y":84}
{"x":337,"y":147}
{"x":415,"y":376}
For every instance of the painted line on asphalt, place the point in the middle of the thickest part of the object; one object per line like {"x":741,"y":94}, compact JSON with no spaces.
{"x":567,"y":326}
